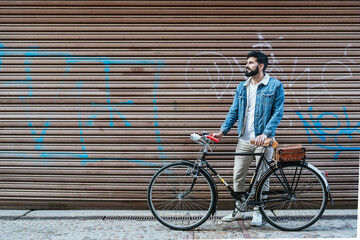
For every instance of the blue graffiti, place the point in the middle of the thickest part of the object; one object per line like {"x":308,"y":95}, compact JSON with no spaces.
{"x":113,"y":108}
{"x":40,"y":139}
{"x":30,"y":157}
{"x":1,"y":55}
{"x":109,"y":106}
{"x":156,"y":123}
{"x":28,"y":78}
{"x":314,"y":126}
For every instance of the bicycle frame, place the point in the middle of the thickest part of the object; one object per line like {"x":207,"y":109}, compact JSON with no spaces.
{"x":251,"y":189}
{"x":171,"y":201}
{"x":290,"y":195}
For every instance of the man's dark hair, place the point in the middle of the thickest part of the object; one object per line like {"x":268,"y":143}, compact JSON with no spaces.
{"x":260,"y":58}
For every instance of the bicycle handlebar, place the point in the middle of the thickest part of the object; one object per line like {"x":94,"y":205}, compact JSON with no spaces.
{"x":212,"y":138}
{"x":269,"y":142}
{"x":197,"y":138}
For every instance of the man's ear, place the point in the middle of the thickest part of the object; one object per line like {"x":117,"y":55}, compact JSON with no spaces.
{"x":261,"y":67}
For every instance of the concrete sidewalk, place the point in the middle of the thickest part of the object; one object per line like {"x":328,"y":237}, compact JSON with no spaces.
{"x":104,"y":225}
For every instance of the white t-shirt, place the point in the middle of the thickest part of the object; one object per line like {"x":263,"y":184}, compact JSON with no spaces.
{"x":249,"y":131}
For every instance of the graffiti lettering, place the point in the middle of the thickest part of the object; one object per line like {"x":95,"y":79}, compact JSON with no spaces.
{"x":112,"y":108}
{"x":315,"y":88}
{"x":316,"y":128}
{"x":214,"y":62}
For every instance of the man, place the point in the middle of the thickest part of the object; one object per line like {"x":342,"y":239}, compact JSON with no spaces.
{"x":258,"y":107}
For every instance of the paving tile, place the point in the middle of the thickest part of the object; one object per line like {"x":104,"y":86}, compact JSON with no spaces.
{"x":12,"y":213}
{"x":69,"y":229}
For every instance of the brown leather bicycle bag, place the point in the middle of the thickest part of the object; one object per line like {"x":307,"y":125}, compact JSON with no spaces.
{"x":290,"y":153}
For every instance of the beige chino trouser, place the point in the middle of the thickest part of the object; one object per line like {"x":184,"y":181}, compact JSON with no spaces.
{"x":242,"y":163}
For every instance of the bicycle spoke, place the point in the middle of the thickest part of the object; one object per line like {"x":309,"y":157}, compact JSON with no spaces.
{"x":296,"y":197}
{"x":181,"y":198}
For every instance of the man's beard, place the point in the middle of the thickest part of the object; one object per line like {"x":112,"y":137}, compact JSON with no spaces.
{"x":252,"y":72}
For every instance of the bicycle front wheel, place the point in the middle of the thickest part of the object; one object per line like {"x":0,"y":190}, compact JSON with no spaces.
{"x":181,"y":198}
{"x":293,"y":196}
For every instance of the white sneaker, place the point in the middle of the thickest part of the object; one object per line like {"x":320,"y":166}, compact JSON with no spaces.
{"x":257,"y":219}
{"x":235,"y":215}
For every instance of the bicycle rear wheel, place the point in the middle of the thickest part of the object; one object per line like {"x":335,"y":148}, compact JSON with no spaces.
{"x":180,"y":200}
{"x":292,"y":196}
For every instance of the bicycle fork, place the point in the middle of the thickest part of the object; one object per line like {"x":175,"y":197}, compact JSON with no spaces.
{"x":194,"y":172}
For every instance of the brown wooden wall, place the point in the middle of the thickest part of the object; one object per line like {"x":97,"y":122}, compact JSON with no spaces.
{"x":97,"y":95}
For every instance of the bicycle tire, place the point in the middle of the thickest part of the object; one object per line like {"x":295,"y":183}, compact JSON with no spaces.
{"x":296,"y":209}
{"x":167,"y":202}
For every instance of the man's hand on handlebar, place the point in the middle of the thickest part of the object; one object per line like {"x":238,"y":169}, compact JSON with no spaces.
{"x":259,"y":140}
{"x":218,"y":135}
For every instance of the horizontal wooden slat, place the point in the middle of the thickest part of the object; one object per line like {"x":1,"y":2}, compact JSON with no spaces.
{"x":179,"y":20}
{"x":201,"y":3}
{"x":284,"y":28}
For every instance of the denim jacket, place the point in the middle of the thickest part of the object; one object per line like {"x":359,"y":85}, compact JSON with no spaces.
{"x":269,"y":108}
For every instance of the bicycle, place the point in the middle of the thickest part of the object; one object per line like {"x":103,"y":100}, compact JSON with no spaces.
{"x":291,"y":196}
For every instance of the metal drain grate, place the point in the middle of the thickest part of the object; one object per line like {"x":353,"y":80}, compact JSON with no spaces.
{"x":339,"y":217}
{"x":137,"y":218}
{"x":8,"y":218}
{"x":120,"y":218}
{"x":61,"y":218}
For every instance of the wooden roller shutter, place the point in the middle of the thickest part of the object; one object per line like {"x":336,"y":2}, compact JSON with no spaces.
{"x":97,"y":95}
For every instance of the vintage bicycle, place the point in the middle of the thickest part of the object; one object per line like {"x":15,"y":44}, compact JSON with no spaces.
{"x":290,"y":195}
